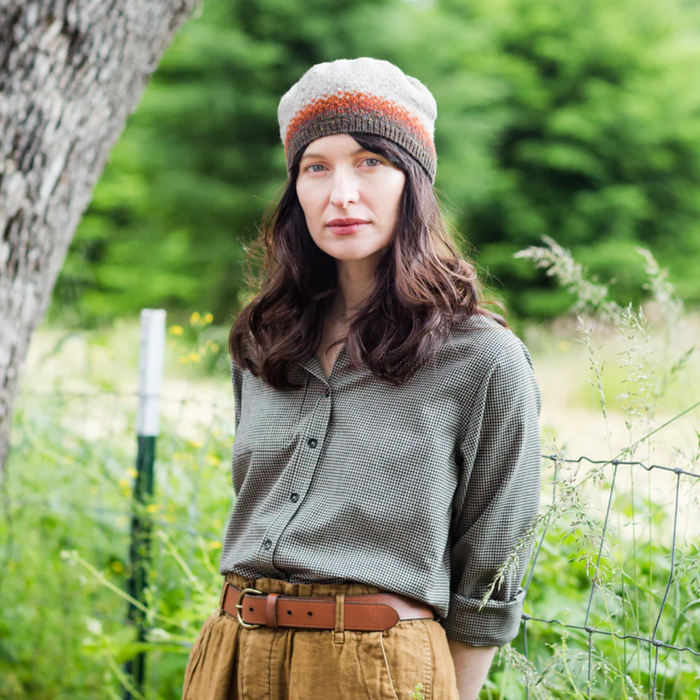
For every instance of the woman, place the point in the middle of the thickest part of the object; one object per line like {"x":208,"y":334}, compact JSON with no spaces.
{"x":386,"y":461}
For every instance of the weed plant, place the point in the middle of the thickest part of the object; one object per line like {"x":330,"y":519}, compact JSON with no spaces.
{"x":613,"y":604}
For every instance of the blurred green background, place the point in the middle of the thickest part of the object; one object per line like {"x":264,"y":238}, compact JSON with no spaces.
{"x":573,"y":120}
{"x":578,"y":120}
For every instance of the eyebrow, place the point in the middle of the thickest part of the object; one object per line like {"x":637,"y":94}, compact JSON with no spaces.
{"x":320,"y":155}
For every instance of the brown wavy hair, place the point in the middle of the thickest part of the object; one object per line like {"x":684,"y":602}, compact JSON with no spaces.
{"x":422,"y":286}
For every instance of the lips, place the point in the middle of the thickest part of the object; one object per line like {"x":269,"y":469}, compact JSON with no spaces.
{"x":346,"y":222}
{"x":346,"y":226}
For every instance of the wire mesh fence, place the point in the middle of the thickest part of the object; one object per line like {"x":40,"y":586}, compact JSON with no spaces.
{"x":638,"y":605}
{"x":613,"y":584}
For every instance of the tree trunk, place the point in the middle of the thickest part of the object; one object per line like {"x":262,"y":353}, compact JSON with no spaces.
{"x":71,"y":72}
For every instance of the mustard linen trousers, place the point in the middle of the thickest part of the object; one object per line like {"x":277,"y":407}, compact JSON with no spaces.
{"x":410,"y":661}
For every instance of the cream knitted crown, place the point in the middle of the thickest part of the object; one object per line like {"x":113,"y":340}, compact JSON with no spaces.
{"x":364,"y":94}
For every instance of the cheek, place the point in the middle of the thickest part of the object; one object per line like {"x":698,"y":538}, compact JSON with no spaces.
{"x":388,"y":197}
{"x":393,"y":183}
{"x":311,"y":204}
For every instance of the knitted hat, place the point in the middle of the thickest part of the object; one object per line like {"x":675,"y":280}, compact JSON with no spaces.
{"x":369,"y":95}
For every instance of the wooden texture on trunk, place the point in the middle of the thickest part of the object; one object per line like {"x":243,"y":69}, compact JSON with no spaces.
{"x":71,"y":72}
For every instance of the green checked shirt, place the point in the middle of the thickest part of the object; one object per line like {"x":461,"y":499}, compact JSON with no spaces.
{"x":422,"y":489}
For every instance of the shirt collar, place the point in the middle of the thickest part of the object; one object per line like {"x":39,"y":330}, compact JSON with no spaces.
{"x":312,"y":364}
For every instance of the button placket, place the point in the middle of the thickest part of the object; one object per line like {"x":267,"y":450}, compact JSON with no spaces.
{"x":302,"y":475}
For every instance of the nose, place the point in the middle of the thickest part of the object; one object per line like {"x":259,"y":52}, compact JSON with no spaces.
{"x":344,"y":189}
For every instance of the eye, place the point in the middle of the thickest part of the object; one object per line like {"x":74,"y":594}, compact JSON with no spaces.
{"x":318,"y":165}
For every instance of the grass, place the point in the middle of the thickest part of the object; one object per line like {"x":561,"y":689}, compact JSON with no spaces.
{"x":615,"y":383}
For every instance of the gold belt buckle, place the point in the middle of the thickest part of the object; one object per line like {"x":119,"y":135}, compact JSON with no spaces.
{"x":239,"y":607}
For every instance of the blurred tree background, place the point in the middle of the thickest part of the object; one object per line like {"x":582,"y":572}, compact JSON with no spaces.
{"x":575,"y":120}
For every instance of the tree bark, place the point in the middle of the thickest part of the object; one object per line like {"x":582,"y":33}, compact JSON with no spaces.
{"x":71,"y":72}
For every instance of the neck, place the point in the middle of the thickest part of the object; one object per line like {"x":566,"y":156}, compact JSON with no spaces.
{"x":344,"y":306}
{"x":355,"y":284}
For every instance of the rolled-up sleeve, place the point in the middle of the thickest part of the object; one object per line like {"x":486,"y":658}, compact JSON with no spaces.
{"x":496,"y":501}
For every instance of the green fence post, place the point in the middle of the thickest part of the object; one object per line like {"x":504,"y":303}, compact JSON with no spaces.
{"x":151,"y":360}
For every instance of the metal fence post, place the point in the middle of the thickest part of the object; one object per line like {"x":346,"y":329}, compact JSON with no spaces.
{"x":151,"y":360}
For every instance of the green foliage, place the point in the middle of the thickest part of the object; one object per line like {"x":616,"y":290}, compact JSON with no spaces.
{"x":617,"y":559}
{"x":575,"y":120}
{"x":64,"y":538}
{"x":591,"y":135}
{"x":617,"y":567}
{"x":198,"y":162}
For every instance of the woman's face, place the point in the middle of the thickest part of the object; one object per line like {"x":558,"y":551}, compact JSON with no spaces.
{"x":338,"y":179}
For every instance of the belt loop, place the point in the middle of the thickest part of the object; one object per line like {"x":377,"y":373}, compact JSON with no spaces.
{"x":339,"y":634}
{"x":271,"y":609}
{"x":224,"y":588}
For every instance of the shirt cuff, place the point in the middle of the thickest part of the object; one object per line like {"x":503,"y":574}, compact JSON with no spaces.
{"x":495,"y":625}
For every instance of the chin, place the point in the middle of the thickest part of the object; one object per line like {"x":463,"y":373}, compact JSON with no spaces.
{"x":350,"y":253}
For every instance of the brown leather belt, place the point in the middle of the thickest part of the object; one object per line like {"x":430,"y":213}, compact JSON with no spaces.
{"x":369,"y":611}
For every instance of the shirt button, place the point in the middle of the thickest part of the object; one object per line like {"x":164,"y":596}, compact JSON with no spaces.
{"x":294,"y":497}
{"x":267,"y":544}
{"x":313,"y":442}
{"x":327,"y":391}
